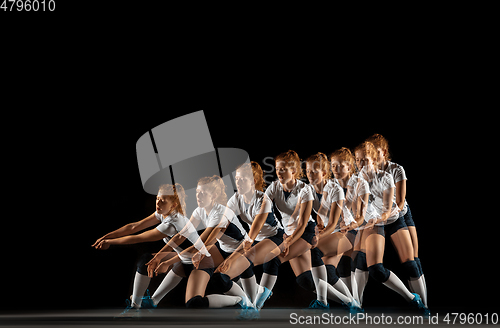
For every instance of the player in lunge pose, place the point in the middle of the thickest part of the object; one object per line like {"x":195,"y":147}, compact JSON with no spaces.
{"x":328,"y":205}
{"x":299,"y":228}
{"x":405,"y":238}
{"x":170,"y":209}
{"x":381,"y":217}
{"x":223,"y":234}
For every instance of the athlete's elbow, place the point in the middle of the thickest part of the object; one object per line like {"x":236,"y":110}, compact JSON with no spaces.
{"x":131,"y":227}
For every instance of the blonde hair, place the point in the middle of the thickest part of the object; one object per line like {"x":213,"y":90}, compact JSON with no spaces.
{"x":218,"y":188}
{"x":323,"y":162}
{"x":345,"y":155}
{"x":175,"y":193}
{"x":291,"y":159}
{"x":380,"y":142}
{"x":255,"y":170}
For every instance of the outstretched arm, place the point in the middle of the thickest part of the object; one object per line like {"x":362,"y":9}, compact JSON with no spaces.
{"x":148,"y":236}
{"x":129,"y":229}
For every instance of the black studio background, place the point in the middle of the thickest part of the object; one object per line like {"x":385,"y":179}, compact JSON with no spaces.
{"x":77,"y":99}
{"x":91,"y":167}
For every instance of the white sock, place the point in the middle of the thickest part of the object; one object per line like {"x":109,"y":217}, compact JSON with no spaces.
{"x":347,"y":282}
{"x":354,"y":287}
{"x":268,"y":281}
{"x":418,"y":286}
{"x":425,"y":287}
{"x":250,"y":287}
{"x":237,"y":291}
{"x":361,"y":277}
{"x":169,"y":282}
{"x":321,"y":289}
{"x":334,"y":294}
{"x":238,"y":282}
{"x":397,"y":285}
{"x":341,"y":287}
{"x":218,"y":301}
{"x":141,"y":283}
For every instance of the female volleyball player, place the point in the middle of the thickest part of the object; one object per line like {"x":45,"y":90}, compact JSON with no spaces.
{"x":381,"y":216}
{"x":170,"y":209}
{"x":404,"y":239}
{"x":328,"y":203}
{"x":344,"y":172}
{"x":252,"y":204}
{"x":294,"y":205}
{"x":222,"y":236}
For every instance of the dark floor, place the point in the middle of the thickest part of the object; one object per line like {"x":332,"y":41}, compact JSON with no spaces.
{"x":270,"y":317}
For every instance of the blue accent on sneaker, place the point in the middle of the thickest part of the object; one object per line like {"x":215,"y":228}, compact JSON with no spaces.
{"x":319,"y":305}
{"x":357,"y":306}
{"x":264,"y":297}
{"x":417,"y":302}
{"x":249,"y":314}
{"x":353,"y":307}
{"x":147,"y":301}
{"x":245,"y":303}
{"x":130,"y":312}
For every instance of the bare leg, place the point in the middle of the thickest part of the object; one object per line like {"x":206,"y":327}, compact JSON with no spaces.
{"x":375,"y":246}
{"x":234,"y":265}
{"x":401,"y":240}
{"x":198,"y":279}
{"x":334,"y":244}
{"x":197,"y":284}
{"x":414,"y":240}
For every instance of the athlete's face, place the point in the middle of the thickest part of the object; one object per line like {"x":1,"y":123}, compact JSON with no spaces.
{"x":380,"y":155}
{"x":284,"y":173}
{"x":314,"y":172}
{"x":164,"y":204}
{"x":204,"y":195}
{"x":363,"y":160}
{"x":244,"y":182}
{"x":340,"y":168}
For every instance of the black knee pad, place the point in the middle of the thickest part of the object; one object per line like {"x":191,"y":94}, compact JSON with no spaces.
{"x":344,"y":266}
{"x":221,"y":282}
{"x":331,"y":274}
{"x":305,"y":280}
{"x":248,"y":273}
{"x":419,"y":264}
{"x":361,"y":261}
{"x":379,"y":272}
{"x":272,"y":266}
{"x":316,"y":256}
{"x":142,"y":268}
{"x":411,"y":268}
{"x":197,"y":302}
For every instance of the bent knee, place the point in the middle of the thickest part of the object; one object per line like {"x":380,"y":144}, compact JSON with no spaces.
{"x":379,"y":272}
{"x":197,"y":302}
